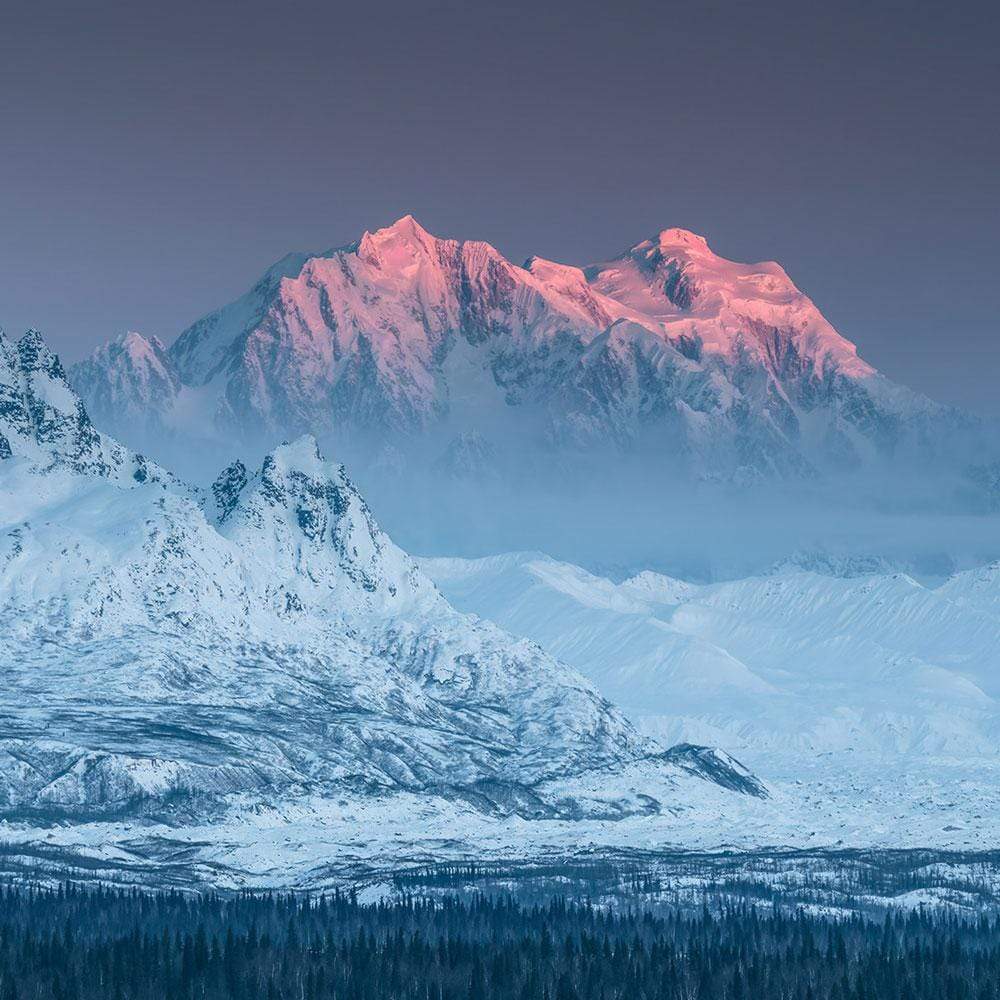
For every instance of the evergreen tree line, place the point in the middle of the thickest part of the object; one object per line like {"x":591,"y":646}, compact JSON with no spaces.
{"x":113,"y":944}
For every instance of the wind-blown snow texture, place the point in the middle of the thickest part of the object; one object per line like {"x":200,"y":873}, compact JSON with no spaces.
{"x":724,"y":369}
{"x":229,"y":661}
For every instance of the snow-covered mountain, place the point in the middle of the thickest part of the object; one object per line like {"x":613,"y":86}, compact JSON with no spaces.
{"x":130,"y":381}
{"x":178,"y":665}
{"x":254,"y":685}
{"x":724,"y":369}
{"x":43,"y":421}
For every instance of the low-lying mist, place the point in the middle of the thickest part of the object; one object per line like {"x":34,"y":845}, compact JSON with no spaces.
{"x":620,"y":523}
{"x":618,"y":515}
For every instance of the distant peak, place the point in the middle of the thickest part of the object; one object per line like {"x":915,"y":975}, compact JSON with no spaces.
{"x":681,"y":238}
{"x":299,"y":456}
{"x":542,"y":267}
{"x":406,"y":222}
{"x":404,"y":234}
{"x":36,"y":356}
{"x":135,"y":343}
{"x":304,"y":450}
{"x":406,"y":227}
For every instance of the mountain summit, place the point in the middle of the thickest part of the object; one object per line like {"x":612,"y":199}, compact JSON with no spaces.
{"x":669,"y":350}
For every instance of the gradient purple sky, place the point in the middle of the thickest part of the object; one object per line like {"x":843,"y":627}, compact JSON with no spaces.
{"x":156,"y":158}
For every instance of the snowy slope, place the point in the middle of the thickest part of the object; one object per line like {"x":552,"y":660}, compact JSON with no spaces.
{"x":794,"y":660}
{"x":850,"y":693}
{"x":723,"y":369}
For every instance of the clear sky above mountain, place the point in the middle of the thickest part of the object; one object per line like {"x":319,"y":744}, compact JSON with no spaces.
{"x":157,"y":158}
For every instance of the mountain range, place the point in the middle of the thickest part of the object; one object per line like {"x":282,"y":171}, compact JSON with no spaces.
{"x":859,"y":689}
{"x":249,"y":683}
{"x":442,"y":353}
{"x":810,"y":657}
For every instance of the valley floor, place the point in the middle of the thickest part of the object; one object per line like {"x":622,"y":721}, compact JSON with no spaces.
{"x":950,"y":810}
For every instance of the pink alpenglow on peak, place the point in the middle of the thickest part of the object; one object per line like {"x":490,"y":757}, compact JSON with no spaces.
{"x":722,"y":367}
{"x":731,"y":308}
{"x":405,"y":237}
{"x":683,"y":238}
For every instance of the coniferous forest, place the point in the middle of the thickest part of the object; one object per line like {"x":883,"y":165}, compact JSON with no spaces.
{"x":113,"y":944}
